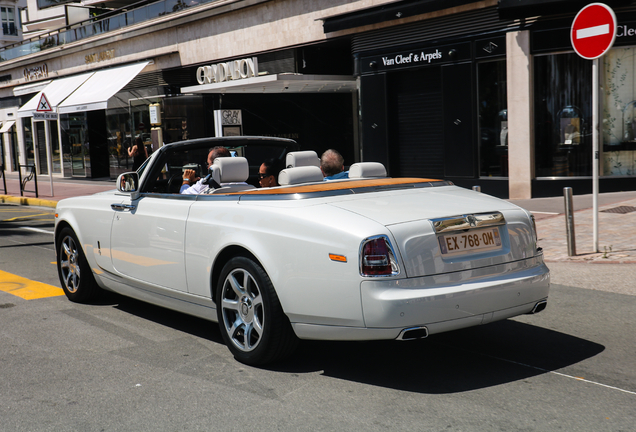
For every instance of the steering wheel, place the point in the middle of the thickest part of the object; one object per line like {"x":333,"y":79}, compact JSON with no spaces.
{"x":175,"y":178}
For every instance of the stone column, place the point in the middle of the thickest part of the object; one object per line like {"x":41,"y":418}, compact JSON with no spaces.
{"x":520,"y":115}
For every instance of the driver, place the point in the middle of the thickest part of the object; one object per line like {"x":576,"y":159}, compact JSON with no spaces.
{"x":193,"y":186}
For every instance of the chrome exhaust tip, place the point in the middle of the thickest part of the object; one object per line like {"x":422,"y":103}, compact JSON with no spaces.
{"x":413,"y":333}
{"x":538,"y":307}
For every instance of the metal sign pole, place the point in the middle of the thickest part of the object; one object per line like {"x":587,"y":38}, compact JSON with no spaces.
{"x":592,"y":34}
{"x":595,"y":151}
{"x":49,"y":152}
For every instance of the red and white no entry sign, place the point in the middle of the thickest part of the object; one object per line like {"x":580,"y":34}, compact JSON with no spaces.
{"x":593,"y":31}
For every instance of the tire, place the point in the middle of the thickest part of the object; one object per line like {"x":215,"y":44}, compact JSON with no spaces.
{"x":75,"y":274}
{"x":251,"y":319}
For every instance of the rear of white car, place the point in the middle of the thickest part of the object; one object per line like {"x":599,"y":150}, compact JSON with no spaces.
{"x":452,"y":258}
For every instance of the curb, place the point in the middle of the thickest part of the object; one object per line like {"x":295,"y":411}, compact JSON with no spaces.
{"x":589,"y":262}
{"x":28,"y":201}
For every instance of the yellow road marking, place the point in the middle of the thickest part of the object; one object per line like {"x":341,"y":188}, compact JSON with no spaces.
{"x":26,"y":288}
{"x":28,"y":217}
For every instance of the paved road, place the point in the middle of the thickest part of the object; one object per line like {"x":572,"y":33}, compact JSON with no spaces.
{"x":121,"y":365}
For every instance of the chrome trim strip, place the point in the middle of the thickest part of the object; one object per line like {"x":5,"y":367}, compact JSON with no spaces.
{"x":466,"y":222}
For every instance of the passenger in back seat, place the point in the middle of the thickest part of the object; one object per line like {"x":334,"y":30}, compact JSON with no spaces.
{"x":332,"y":165}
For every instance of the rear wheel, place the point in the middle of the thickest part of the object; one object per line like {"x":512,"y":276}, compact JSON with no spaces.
{"x":75,"y":274}
{"x":252,"y":321}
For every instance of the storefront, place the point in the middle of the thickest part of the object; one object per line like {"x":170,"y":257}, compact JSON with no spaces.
{"x":308,"y":94}
{"x":563,"y":110}
{"x":434,"y":98}
{"x":65,"y":123}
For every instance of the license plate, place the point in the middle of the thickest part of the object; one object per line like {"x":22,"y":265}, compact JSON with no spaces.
{"x":470,"y":241}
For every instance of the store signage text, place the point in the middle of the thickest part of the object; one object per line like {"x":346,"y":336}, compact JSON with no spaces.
{"x":44,"y":116}
{"x":232,"y":70}
{"x":422,"y":57}
{"x":623,"y":30}
{"x":100,"y":56}
{"x":36,"y":72}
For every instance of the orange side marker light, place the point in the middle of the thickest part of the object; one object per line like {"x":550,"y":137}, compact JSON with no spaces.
{"x":339,"y":258}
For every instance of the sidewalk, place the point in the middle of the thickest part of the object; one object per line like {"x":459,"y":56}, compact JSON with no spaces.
{"x":62,"y":188}
{"x":617,"y":228}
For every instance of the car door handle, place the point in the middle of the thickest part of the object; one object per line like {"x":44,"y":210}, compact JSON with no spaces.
{"x":122,"y":207}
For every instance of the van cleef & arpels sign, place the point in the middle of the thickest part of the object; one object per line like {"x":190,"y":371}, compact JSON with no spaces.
{"x":416,"y":58}
{"x":419,"y":57}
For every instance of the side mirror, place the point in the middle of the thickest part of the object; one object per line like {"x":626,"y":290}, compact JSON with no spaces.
{"x":128,"y":182}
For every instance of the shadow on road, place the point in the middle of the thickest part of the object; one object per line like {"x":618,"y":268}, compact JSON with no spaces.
{"x":459,"y":361}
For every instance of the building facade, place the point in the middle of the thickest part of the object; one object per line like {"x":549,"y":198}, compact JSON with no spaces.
{"x":485,"y":93}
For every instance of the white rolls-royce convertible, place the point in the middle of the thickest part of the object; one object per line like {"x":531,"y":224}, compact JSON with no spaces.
{"x":364,"y":258}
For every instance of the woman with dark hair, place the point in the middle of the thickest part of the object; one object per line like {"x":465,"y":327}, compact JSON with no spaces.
{"x":138,"y":152}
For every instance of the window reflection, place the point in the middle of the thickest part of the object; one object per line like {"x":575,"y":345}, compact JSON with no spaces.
{"x":493,"y":119}
{"x":563,"y":93}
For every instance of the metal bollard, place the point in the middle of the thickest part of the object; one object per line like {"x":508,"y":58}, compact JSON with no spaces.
{"x":477,"y":188}
{"x":569,"y":221}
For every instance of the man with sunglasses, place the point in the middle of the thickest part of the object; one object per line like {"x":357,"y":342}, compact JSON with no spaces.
{"x":268,"y":172}
{"x":193,"y":186}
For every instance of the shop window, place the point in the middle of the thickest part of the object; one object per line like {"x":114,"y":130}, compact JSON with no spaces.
{"x":75,"y":145}
{"x":562,"y":115}
{"x":493,"y":119}
{"x":8,"y":21}
{"x":27,"y":136}
{"x":619,"y":113}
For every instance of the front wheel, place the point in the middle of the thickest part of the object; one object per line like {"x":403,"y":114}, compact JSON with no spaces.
{"x":75,"y":274}
{"x":252,"y":321}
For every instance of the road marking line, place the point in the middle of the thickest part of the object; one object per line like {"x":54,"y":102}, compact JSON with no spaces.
{"x":563,"y":375}
{"x":550,"y":213}
{"x":542,"y":369}
{"x":26,"y":288}
{"x":40,"y":230}
{"x":26,"y":217}
{"x":593,"y":31}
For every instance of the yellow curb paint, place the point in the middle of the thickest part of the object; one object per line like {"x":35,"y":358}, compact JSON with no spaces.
{"x":27,"y":201}
{"x":26,"y":288}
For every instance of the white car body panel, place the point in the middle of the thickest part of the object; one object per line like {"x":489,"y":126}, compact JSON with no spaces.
{"x":167,"y":249}
{"x":147,"y":244}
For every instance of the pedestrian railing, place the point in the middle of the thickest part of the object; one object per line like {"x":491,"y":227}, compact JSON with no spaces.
{"x":31,"y":176}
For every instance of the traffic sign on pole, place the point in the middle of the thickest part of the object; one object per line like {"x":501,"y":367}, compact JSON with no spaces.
{"x":44,"y":105}
{"x":593,"y":31}
{"x":592,"y":34}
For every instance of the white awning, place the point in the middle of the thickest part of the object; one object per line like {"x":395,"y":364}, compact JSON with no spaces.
{"x":55,"y":93}
{"x":30,"y":88}
{"x":101,"y":86}
{"x":280,"y":83}
{"x":6,"y":126}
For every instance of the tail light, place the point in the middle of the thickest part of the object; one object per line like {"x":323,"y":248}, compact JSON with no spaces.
{"x":377,"y":257}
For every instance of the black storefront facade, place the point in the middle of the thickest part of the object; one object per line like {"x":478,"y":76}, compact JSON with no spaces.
{"x":563,"y":108}
{"x":284,"y":99}
{"x":434,"y":101}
